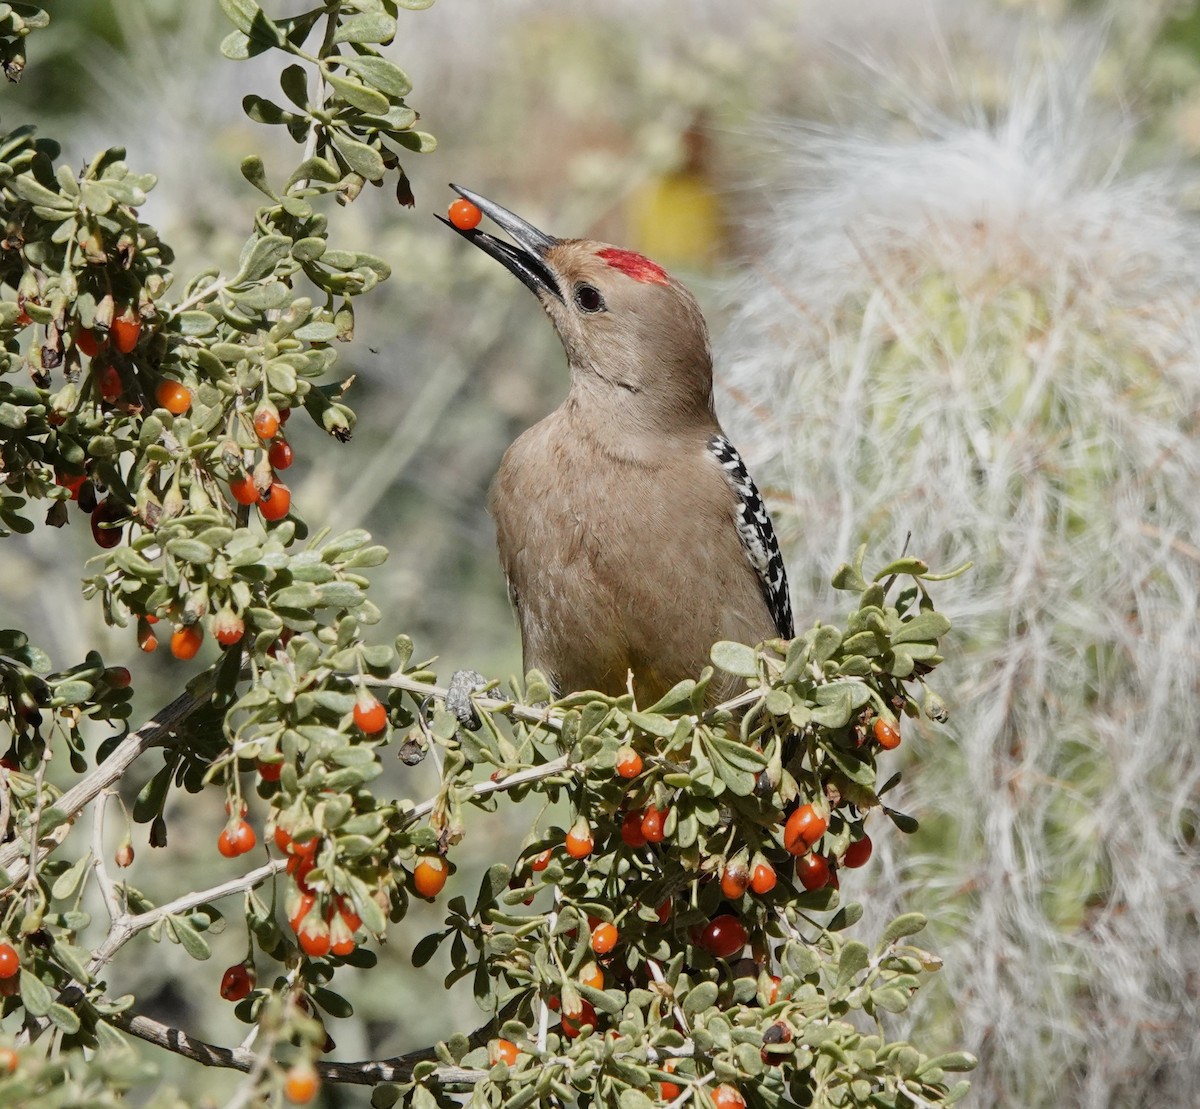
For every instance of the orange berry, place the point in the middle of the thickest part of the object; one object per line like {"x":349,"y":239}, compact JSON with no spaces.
{"x":629,"y":763}
{"x":10,"y":961}
{"x":579,"y":840}
{"x":125,"y":331}
{"x":592,"y":975}
{"x":813,"y":871}
{"x":276,"y":503}
{"x":280,"y":455}
{"x":303,"y":907}
{"x":858,"y":852}
{"x":464,"y":215}
{"x":341,"y":936}
{"x":124,"y":856}
{"x":185,"y":642}
{"x":266,"y":422}
{"x":541,"y":862}
{"x":735,"y":879}
{"x":604,"y":938}
{"x":504,"y":1051}
{"x":237,"y":840}
{"x":669,"y":1091}
{"x":301,"y":1084}
{"x":244,"y":490}
{"x":173,"y":396}
{"x":429,"y":876}
{"x":313,"y":936}
{"x":228,"y":627}
{"x":237,"y":982}
{"x":346,"y":910}
{"x":803,"y":828}
{"x":773,"y":992}
{"x":887,"y":735}
{"x":763,"y":880}
{"x":9,"y":1060}
{"x":652,"y":824}
{"x":572,"y":1026}
{"x":369,"y":715}
{"x":726,"y":1096}
{"x":145,"y":637}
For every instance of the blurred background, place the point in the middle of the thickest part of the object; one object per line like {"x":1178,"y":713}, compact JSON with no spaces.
{"x":948,"y":253}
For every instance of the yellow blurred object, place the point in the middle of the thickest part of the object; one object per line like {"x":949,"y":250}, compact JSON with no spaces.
{"x":676,"y":218}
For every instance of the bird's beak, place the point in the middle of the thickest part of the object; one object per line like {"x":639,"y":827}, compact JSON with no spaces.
{"x":527,"y":258}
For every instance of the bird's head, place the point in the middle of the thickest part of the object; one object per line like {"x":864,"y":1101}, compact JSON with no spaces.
{"x":634,"y":336}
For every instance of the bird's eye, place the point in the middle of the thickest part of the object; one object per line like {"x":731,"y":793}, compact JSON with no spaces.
{"x":589,"y":299}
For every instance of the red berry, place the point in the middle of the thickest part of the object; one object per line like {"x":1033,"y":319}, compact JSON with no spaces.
{"x":887,"y":735}
{"x":813,"y":871}
{"x":276,"y":503}
{"x":280,"y":455}
{"x":629,"y":763}
{"x":663,"y":912}
{"x":631,"y":829}
{"x":429,"y":876}
{"x":369,"y":715}
{"x":185,"y":642}
{"x":9,"y":1060}
{"x":652,"y":824}
{"x":572,"y":1026}
{"x":723,"y":936}
{"x":109,"y":383}
{"x":118,"y":677}
{"x":107,"y":518}
{"x":124,"y":856}
{"x":858,"y":852}
{"x":71,"y":482}
{"x":803,"y":828}
{"x":304,"y":904}
{"x":237,"y":840}
{"x":347,"y":913}
{"x":668,"y":1091}
{"x":173,"y":396}
{"x":10,"y":961}
{"x":464,"y":215}
{"x":763,"y":880}
{"x":604,"y":938}
{"x":125,"y":331}
{"x":237,"y":982}
{"x":87,"y":342}
{"x":541,"y":862}
{"x":269,"y":772}
{"x":266,"y":422}
{"x":244,"y":490}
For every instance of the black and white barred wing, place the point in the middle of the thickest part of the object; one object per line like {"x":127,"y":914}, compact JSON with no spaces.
{"x":757,"y":534}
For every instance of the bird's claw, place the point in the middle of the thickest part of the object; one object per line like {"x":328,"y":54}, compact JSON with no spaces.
{"x":458,"y":697}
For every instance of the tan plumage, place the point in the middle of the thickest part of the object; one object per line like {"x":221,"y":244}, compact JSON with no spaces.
{"x":617,"y":525}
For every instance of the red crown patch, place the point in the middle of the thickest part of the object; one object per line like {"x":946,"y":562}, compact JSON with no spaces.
{"x":637,"y":266}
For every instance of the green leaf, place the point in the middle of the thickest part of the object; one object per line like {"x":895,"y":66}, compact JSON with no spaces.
{"x":368,"y":27}
{"x":248,"y":18}
{"x":652,"y":723}
{"x":853,"y":960}
{"x":701,"y":998}
{"x":419,"y":142}
{"x":255,"y":172}
{"x":909,"y":924}
{"x":189,"y":938}
{"x":494,"y":883}
{"x":379,"y":73}
{"x":954,"y":1061}
{"x":913,"y":566}
{"x":303,"y":595}
{"x":734,"y":658}
{"x":890,"y":999}
{"x":260,"y":256}
{"x":925,"y":627}
{"x":35,"y":995}
{"x":356,"y":94}
{"x":67,"y":884}
{"x":63,"y":1018}
{"x":907,"y":824}
{"x":27,"y":187}
{"x":634,"y":1099}
{"x":196,"y":323}
{"x":150,"y":800}
{"x":362,"y":159}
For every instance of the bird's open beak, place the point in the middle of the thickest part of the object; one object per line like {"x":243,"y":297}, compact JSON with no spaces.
{"x":527,"y":258}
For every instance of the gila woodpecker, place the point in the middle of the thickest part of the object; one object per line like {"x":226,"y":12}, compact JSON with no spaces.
{"x":630,"y":532}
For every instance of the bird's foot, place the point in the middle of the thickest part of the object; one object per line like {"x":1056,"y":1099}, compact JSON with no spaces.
{"x":458,"y":697}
